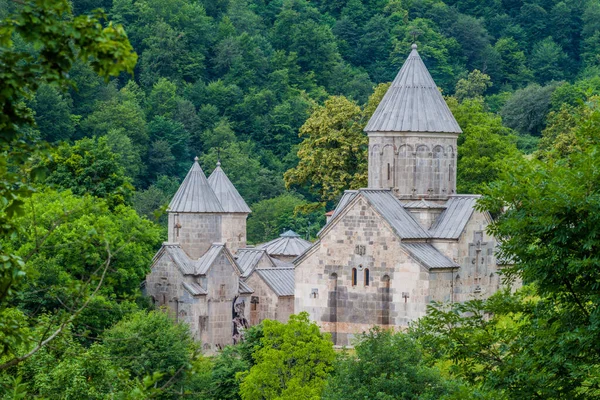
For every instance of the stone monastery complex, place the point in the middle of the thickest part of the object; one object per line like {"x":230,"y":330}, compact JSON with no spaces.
{"x":384,"y":254}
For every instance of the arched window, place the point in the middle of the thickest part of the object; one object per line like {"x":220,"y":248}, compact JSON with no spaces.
{"x":386,"y":299}
{"x":354,"y":280}
{"x":366,"y":276}
{"x":386,"y":281}
{"x":333,"y":282}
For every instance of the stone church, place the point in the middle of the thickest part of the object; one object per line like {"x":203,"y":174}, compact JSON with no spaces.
{"x":384,"y":254}
{"x":408,"y":239}
{"x":207,"y":277}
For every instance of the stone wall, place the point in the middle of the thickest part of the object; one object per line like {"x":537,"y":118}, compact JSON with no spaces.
{"x":223,"y":288}
{"x":233,"y":231}
{"x":164,"y":286}
{"x":263,"y":303}
{"x":417,"y":165}
{"x":283,"y":258}
{"x":193,"y":310}
{"x":196,"y":232}
{"x":360,"y":240}
{"x":425,"y":216}
{"x":285,"y":308}
{"x":477,"y":276}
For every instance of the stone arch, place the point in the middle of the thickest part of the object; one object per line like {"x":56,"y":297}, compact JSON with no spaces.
{"x":440,"y":165}
{"x":333,"y":281}
{"x":404,"y":168}
{"x":422,"y":170}
{"x":386,"y":300}
{"x":332,"y":301}
{"x":422,"y":148}
{"x":374,"y":166}
{"x":375,"y":150}
{"x":387,"y":166}
{"x":451,"y":170}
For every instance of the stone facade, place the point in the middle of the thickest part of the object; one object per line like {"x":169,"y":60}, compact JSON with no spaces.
{"x":477,"y":276}
{"x":387,"y":251}
{"x":195,"y":232}
{"x":233,"y":229}
{"x":416,"y":165}
{"x":359,"y":244}
{"x":195,"y":276}
{"x":209,"y":314}
{"x":265,"y":304}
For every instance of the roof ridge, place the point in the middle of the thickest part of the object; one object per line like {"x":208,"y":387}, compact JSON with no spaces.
{"x":428,"y":255}
{"x":385,"y":212}
{"x":413,"y":103}
{"x":452,"y":221}
{"x":226,"y":193}
{"x":195,"y":194}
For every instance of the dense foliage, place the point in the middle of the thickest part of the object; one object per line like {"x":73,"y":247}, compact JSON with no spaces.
{"x":540,"y":342}
{"x":240,"y":79}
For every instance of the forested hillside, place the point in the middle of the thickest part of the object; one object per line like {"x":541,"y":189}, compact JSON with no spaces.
{"x":239,"y":78}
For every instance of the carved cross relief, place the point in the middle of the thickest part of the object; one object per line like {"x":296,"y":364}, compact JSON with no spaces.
{"x":177,"y":225}
{"x":478,"y":252}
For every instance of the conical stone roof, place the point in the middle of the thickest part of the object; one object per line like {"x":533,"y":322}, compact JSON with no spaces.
{"x":228,"y":196}
{"x":413,"y":103}
{"x":195,"y":194}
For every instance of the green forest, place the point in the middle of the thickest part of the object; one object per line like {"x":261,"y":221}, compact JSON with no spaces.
{"x":106,"y":103}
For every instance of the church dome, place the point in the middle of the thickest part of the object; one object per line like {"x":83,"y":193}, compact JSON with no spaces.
{"x":287,"y":244}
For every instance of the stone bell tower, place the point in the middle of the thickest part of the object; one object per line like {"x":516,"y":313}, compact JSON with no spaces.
{"x":412,"y":137}
{"x":195,"y":214}
{"x":206,"y":211}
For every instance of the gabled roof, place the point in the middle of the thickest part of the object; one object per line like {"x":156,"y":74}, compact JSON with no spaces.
{"x":194,"y":289}
{"x":228,"y":196}
{"x":247,"y":259}
{"x":179,"y":257}
{"x":195,"y":194}
{"x":388,"y":206}
{"x":188,"y":266}
{"x":204,"y":263}
{"x":428,"y":256}
{"x":245,"y":289}
{"x":413,"y":103}
{"x":288,"y":244}
{"x":347,"y":197}
{"x":281,"y":280}
{"x":452,"y":221}
{"x":423,"y":204}
{"x":390,"y":209}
